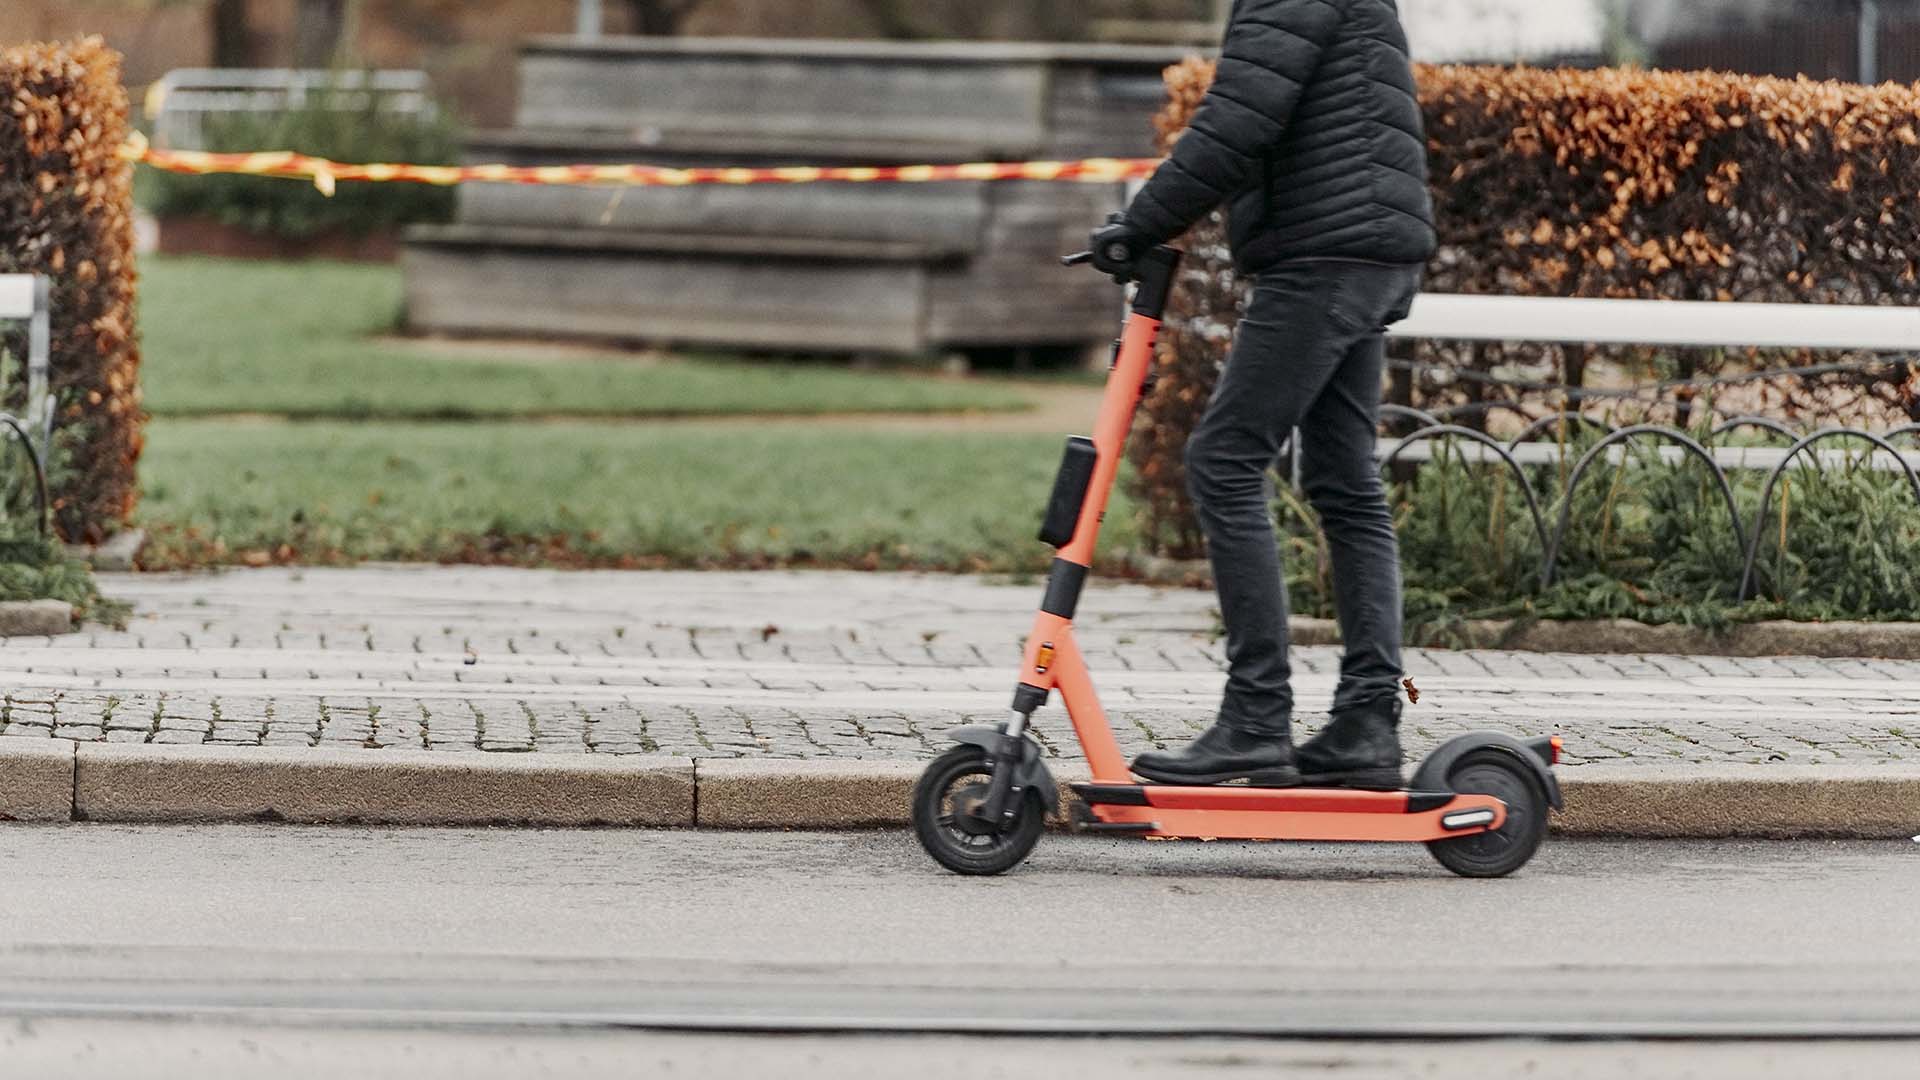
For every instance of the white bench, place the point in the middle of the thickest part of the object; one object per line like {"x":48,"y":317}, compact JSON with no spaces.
{"x":26,"y":298}
{"x":1675,"y":323}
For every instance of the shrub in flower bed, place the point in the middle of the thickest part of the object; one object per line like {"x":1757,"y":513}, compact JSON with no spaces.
{"x":66,"y":212}
{"x":1647,"y":539}
{"x":34,"y":568}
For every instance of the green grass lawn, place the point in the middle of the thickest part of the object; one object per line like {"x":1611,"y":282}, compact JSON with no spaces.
{"x":597,"y":494}
{"x":298,"y":340}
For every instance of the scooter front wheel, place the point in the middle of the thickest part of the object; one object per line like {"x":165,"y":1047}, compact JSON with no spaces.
{"x":943,"y":804}
{"x":1508,"y":848}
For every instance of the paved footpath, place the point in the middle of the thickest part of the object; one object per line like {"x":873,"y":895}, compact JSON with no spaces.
{"x":825,"y":665}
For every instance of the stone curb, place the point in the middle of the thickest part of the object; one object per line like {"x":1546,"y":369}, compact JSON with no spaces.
{"x":52,"y":780}
{"x":386,"y":787}
{"x":1763,"y":801}
{"x":35,"y":618}
{"x":735,"y":794}
{"x":36,"y":780}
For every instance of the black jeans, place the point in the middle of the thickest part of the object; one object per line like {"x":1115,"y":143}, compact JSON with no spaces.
{"x":1309,"y":354}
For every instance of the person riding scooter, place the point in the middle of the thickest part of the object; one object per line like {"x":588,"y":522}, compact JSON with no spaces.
{"x":1312,"y":137}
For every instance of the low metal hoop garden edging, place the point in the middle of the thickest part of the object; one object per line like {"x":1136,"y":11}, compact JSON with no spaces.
{"x":1421,"y":417}
{"x":1773,"y":478}
{"x":1748,"y":542}
{"x":43,"y":515}
{"x":1441,"y":431}
{"x":1674,"y":435}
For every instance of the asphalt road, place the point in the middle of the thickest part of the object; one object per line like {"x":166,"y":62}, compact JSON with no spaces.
{"x":575,"y":951}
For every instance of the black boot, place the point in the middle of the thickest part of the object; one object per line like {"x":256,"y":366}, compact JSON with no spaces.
{"x":1260,"y":755}
{"x":1359,"y":748}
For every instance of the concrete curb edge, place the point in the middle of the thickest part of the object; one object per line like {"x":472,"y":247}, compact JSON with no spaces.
{"x":160,"y":783}
{"x":55,"y":781}
{"x":35,"y":618}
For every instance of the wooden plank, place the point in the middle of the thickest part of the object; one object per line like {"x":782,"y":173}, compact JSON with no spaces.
{"x":901,"y":52}
{"x":999,"y":107}
{"x":1103,"y":112}
{"x":1157,"y":31}
{"x":671,"y":299}
{"x":567,"y":146}
{"x":1015,"y":292}
{"x":648,"y":244}
{"x":936,"y":217}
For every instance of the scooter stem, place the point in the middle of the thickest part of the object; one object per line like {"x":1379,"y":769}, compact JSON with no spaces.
{"x":1074,"y":515}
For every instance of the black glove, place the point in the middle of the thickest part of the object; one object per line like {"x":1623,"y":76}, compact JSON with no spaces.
{"x":1116,"y":247}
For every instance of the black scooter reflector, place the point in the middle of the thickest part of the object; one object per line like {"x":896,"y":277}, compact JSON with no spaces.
{"x":1069,"y":492}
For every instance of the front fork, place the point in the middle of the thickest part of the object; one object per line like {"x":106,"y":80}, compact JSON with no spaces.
{"x":1015,"y":760}
{"x":1005,"y":793}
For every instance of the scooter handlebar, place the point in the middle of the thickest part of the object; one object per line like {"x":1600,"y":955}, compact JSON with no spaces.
{"x":1116,"y":253}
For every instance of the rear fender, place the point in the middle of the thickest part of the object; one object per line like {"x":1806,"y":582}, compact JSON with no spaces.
{"x":1032,"y":772}
{"x":1432,"y":773}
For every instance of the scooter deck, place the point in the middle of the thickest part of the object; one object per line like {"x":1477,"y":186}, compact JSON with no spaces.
{"x":1323,"y":814}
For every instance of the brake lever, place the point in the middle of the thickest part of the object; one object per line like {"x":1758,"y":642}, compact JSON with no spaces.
{"x":1078,"y":258}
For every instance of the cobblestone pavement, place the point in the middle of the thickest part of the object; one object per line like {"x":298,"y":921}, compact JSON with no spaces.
{"x":823,"y":665}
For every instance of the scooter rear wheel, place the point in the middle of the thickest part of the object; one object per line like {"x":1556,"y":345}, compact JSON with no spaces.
{"x":1508,"y":848}
{"x":962,"y":844}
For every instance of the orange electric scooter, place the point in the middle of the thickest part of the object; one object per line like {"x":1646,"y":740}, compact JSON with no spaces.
{"x":1479,"y":802}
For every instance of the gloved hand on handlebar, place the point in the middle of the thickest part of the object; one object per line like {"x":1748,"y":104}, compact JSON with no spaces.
{"x":1116,"y":247}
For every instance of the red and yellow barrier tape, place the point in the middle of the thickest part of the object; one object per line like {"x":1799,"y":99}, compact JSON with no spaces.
{"x":326,"y":175}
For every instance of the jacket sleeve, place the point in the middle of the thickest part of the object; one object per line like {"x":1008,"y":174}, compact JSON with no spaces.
{"x":1271,"y":51}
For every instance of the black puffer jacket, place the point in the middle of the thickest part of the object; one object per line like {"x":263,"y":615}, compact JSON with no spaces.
{"x":1311,"y":135}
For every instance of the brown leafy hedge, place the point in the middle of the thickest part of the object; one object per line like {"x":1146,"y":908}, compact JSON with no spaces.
{"x":66,"y":211}
{"x":1610,"y":183}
